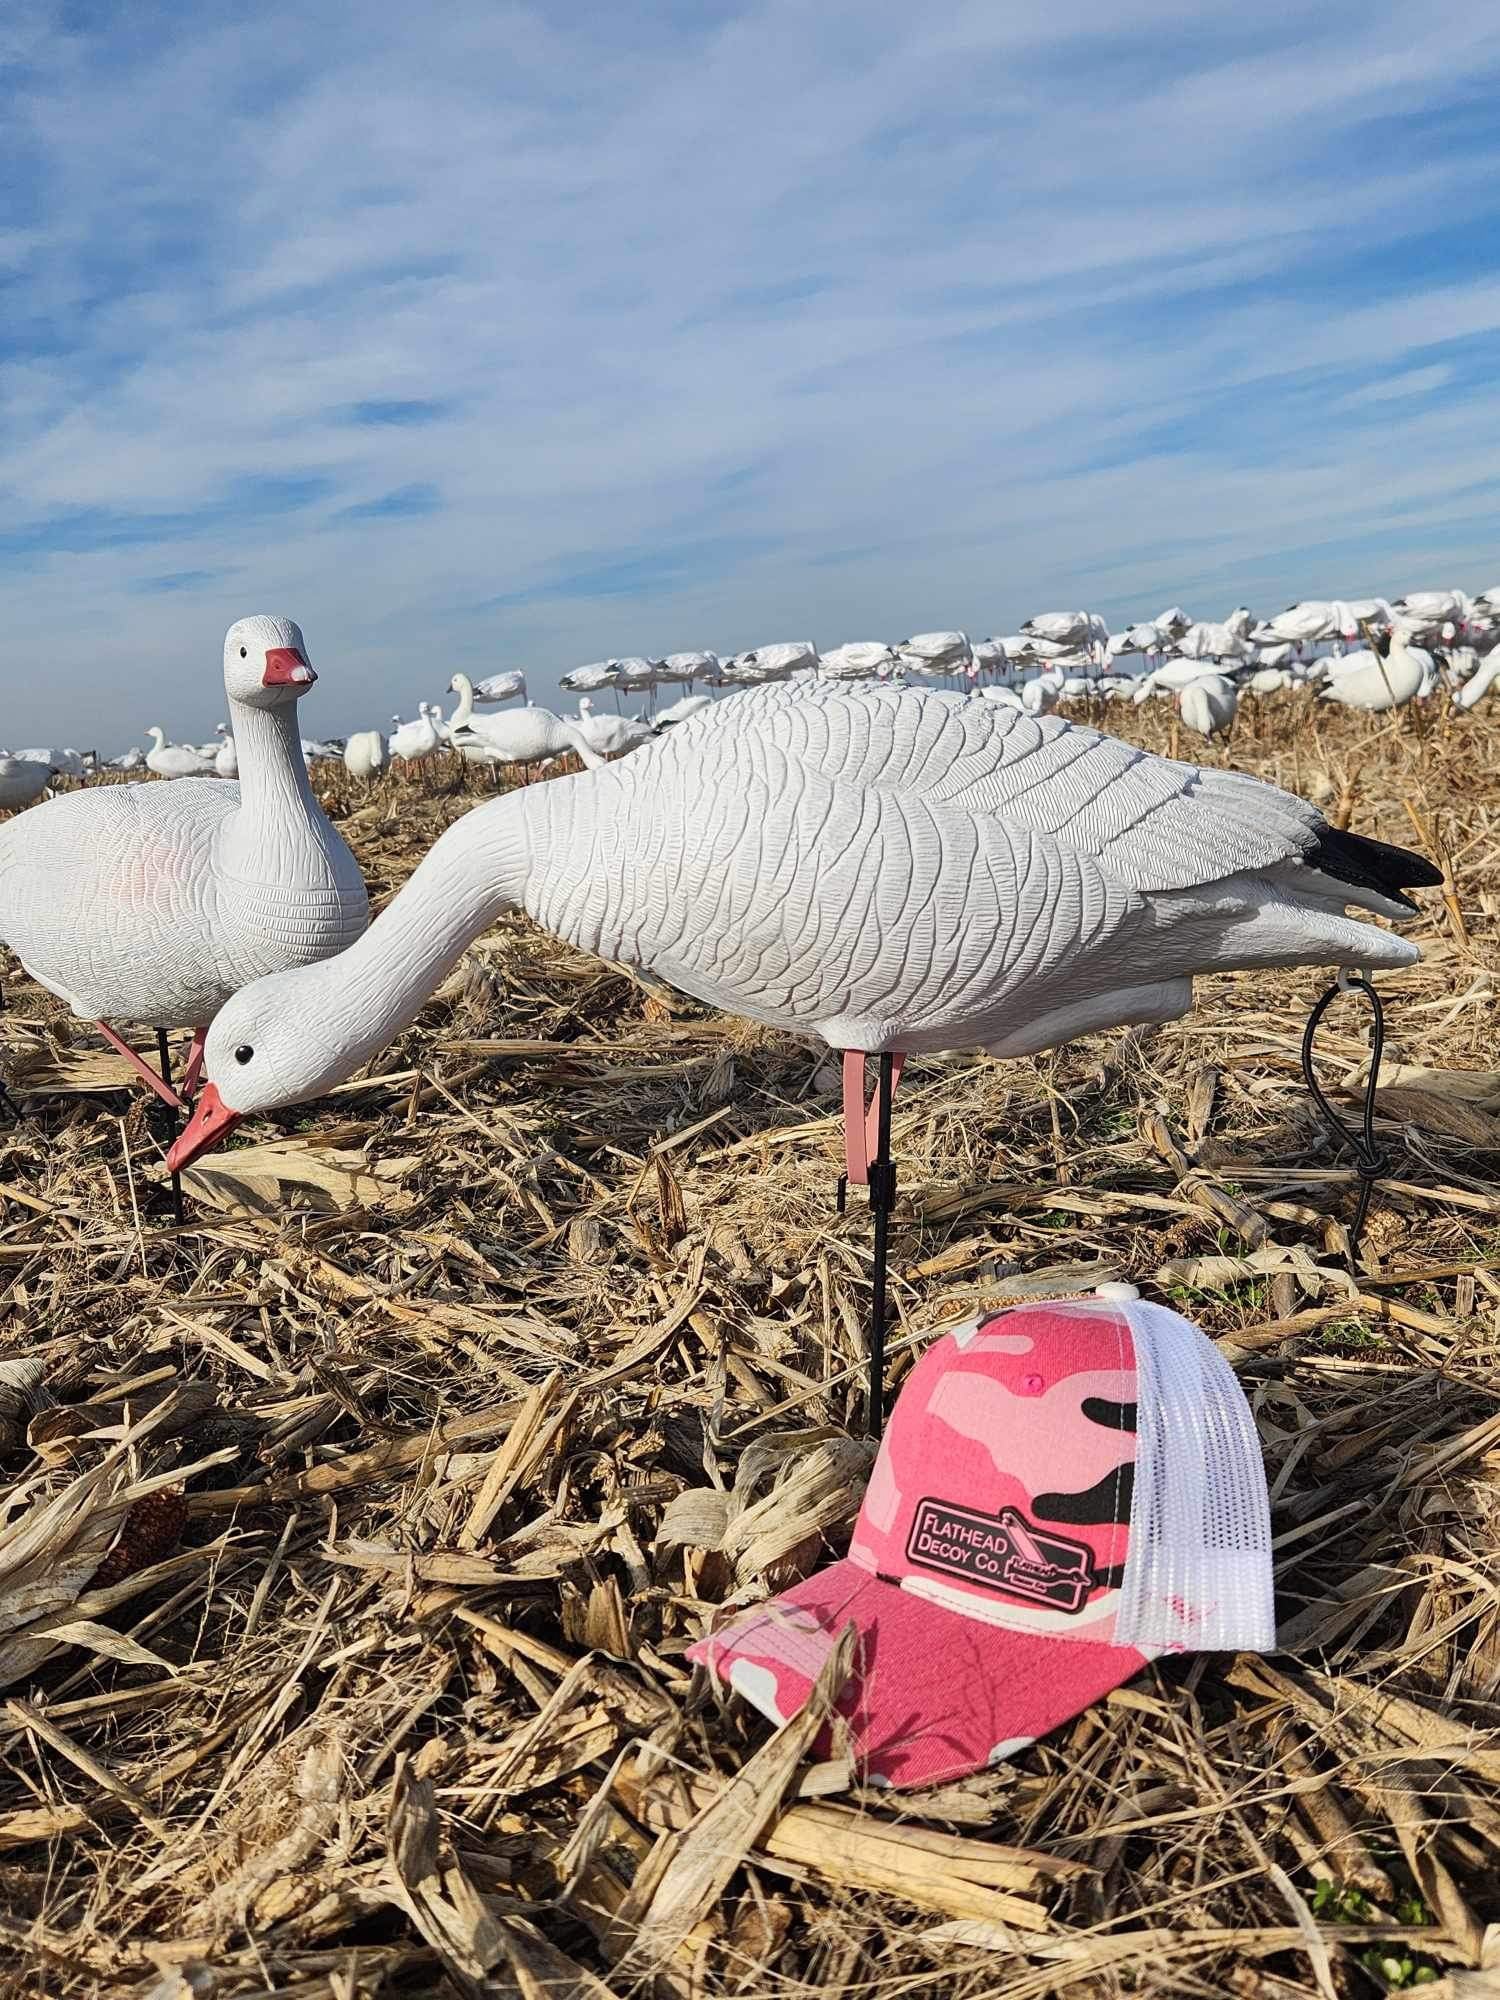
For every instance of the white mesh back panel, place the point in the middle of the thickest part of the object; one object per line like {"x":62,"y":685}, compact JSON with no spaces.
{"x":1198,"y":1575}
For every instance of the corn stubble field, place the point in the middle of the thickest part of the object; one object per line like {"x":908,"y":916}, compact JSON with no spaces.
{"x":354,"y":1532}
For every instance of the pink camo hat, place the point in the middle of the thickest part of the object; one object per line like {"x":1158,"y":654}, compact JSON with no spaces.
{"x":1064,"y":1492}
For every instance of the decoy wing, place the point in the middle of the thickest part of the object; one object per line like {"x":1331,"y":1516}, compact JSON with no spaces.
{"x":935,"y":874}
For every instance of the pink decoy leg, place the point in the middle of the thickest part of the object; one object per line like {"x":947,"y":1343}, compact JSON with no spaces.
{"x":861,"y":1118}
{"x":194,"y":1068}
{"x":142,"y":1068}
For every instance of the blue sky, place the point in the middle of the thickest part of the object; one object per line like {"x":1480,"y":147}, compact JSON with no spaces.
{"x":492,"y":335}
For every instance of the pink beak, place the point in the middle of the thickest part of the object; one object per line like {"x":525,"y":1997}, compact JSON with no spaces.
{"x":285,"y":667}
{"x":210,"y":1125}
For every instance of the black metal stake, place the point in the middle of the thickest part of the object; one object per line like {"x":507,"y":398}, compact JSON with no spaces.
{"x":164,"y":1054}
{"x":1369,"y":1162}
{"x":882,"y":1201}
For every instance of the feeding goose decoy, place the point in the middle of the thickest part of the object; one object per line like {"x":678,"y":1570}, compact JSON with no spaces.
{"x":890,"y":870}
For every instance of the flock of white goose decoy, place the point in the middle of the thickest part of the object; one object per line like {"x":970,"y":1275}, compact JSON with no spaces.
{"x":843,"y":849}
{"x":1371,"y":653}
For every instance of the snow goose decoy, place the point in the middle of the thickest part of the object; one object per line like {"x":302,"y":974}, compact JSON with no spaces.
{"x":22,"y":782}
{"x":226,"y":757}
{"x":779,"y":661}
{"x":1368,"y":681}
{"x":1066,"y":628}
{"x":682,"y":669}
{"x":680,"y":710}
{"x":636,"y":675}
{"x":591,"y":679}
{"x":175,"y":760}
{"x":988,"y":657}
{"x":153,"y":903}
{"x":525,"y":736}
{"x":415,"y":742}
{"x":935,"y":654}
{"x":501,"y":687}
{"x":1479,"y":683}
{"x":1208,"y":705}
{"x":60,"y":763}
{"x":1306,"y":622}
{"x":365,"y":754}
{"x":858,"y":660}
{"x":887,"y":870}
{"x":611,"y":735}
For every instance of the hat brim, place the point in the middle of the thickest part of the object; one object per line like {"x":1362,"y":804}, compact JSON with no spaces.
{"x":933,"y":1695}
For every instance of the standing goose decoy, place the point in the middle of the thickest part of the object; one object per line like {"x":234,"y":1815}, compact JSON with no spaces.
{"x":365,"y":754}
{"x":415,"y":742}
{"x":226,"y":757}
{"x":153,"y":903}
{"x":175,"y":760}
{"x":682,"y":669}
{"x":502,"y":687}
{"x":889,"y":870}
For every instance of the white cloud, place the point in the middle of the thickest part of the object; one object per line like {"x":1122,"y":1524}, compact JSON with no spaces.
{"x":1395,"y":388}
{"x":835,"y":321}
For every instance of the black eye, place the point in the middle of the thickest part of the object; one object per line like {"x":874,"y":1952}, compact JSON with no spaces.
{"x":243,"y":1053}
{"x":243,"y":654}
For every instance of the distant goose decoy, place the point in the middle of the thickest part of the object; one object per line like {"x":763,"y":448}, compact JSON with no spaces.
{"x":680,"y":710}
{"x":1208,"y":705}
{"x":590,"y":679}
{"x":414,"y":742}
{"x":501,"y":687}
{"x":1368,"y":681}
{"x":761,"y":665}
{"x":175,"y":760}
{"x":682,"y":669}
{"x":365,"y":754}
{"x":934,"y":654}
{"x":524,"y":736}
{"x":857,"y":660}
{"x":611,"y":735}
{"x":889,"y":870}
{"x":21,"y":782}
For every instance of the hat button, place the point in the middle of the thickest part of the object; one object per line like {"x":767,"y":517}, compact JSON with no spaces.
{"x":1121,"y":1293}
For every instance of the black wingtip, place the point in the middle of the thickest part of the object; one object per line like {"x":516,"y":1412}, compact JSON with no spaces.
{"x":1372,"y":864}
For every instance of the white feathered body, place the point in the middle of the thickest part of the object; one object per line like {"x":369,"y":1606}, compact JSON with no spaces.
{"x":1208,"y":705}
{"x":21,"y":782}
{"x":883,"y":868}
{"x":365,"y":754}
{"x":930,"y":872}
{"x":1364,"y":680}
{"x":521,"y":736}
{"x":153,"y":903}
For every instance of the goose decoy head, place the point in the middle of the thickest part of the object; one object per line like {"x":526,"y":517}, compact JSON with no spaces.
{"x":265,"y":1047}
{"x":265,"y":662}
{"x":210,"y":1125}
